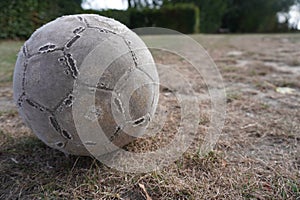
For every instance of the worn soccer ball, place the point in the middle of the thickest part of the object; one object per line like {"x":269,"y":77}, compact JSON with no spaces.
{"x":49,"y":65}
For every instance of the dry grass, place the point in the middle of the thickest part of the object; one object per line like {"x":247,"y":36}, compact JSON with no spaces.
{"x":257,"y":156}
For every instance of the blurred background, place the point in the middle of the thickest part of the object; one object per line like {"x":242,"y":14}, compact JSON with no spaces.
{"x":19,"y":18}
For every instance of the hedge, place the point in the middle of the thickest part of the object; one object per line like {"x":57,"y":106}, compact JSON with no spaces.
{"x":20,"y":18}
{"x":181,"y":17}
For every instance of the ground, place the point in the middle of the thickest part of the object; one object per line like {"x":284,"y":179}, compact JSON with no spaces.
{"x":256,"y":157}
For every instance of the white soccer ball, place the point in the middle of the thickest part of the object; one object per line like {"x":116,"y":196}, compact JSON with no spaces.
{"x":49,"y":65}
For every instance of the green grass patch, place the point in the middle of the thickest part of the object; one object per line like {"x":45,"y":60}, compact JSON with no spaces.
{"x":8,"y":56}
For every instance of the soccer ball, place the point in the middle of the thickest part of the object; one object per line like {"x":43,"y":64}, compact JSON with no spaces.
{"x":49,"y":66}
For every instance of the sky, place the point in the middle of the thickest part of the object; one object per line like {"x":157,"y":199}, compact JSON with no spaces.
{"x":295,"y":20}
{"x":105,"y":4}
{"x":122,"y":5}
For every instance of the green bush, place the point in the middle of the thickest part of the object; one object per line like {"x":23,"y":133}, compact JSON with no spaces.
{"x":19,"y":18}
{"x":181,"y":17}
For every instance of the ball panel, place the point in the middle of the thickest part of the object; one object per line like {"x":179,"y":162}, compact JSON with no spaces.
{"x":20,"y":67}
{"x":43,"y":123}
{"x":140,"y":102}
{"x":47,"y":80}
{"x":104,"y":23}
{"x":68,"y":131}
{"x":135,"y":90}
{"x":88,"y":40}
{"x":142,"y":55}
{"x":53,"y":35}
{"x":110,"y":66}
{"x":105,"y":119}
{"x":124,"y":64}
{"x":112,"y":125}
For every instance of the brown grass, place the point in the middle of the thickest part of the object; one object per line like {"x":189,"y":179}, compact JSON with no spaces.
{"x":256,"y":157}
